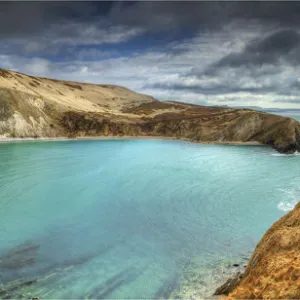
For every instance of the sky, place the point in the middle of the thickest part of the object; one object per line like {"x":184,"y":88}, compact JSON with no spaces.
{"x":208,"y":53}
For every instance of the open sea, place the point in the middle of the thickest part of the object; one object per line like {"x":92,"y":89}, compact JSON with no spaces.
{"x":134,"y":219}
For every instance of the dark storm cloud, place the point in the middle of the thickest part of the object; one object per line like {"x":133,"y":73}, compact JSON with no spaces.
{"x":213,"y":89}
{"x":283,"y":44}
{"x":153,"y":15}
{"x":229,"y":51}
{"x":18,"y":19}
{"x":22,"y":18}
{"x":50,"y":26}
{"x":278,"y":43}
{"x":295,"y":85}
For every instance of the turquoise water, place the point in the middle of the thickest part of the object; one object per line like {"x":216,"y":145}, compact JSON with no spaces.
{"x":134,"y":218}
{"x":295,"y":116}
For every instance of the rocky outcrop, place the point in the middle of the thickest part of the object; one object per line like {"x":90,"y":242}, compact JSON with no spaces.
{"x":273,"y":271}
{"x":40,"y":107}
{"x":229,"y":285}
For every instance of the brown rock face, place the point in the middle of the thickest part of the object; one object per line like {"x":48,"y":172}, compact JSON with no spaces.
{"x":229,"y":285}
{"x":274,"y":268}
{"x":196,"y":123}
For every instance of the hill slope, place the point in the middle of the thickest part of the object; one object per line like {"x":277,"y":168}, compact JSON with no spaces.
{"x":40,"y":107}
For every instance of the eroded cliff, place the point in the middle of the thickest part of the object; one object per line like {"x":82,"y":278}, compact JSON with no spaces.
{"x":40,"y":107}
{"x":273,"y":271}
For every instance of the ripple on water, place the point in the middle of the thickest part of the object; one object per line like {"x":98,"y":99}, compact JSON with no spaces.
{"x":134,"y":219}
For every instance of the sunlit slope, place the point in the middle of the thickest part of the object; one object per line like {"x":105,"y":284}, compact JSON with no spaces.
{"x":32,"y":106}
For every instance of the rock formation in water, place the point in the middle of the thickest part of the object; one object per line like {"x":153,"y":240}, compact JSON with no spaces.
{"x":229,"y":285}
{"x":273,"y":271}
{"x":40,"y":107}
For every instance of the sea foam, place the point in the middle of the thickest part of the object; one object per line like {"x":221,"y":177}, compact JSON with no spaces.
{"x":286,"y":206}
{"x":296,"y":153}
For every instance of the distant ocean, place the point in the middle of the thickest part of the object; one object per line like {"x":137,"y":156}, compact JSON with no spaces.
{"x":134,"y":219}
{"x":294,"y":115}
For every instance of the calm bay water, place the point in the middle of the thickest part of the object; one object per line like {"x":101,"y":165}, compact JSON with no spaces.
{"x":134,"y":218}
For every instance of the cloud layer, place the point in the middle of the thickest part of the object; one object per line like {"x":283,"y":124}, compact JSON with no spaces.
{"x":214,"y":53}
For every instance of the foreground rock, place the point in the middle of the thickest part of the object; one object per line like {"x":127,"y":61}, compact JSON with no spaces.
{"x":274,"y":268}
{"x":229,"y":285}
{"x":40,"y":107}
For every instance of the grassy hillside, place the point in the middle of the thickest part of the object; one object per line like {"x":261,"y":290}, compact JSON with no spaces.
{"x":41,"y":107}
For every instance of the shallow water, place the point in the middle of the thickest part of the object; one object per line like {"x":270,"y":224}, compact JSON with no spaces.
{"x":134,"y":218}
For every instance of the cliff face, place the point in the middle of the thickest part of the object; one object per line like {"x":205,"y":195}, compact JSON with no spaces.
{"x":32,"y":106}
{"x":40,"y":107}
{"x":274,"y":268}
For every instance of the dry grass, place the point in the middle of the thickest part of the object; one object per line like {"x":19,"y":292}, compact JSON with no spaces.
{"x":274,"y":269}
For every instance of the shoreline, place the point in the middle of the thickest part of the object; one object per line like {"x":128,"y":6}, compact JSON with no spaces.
{"x":125,"y":137}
